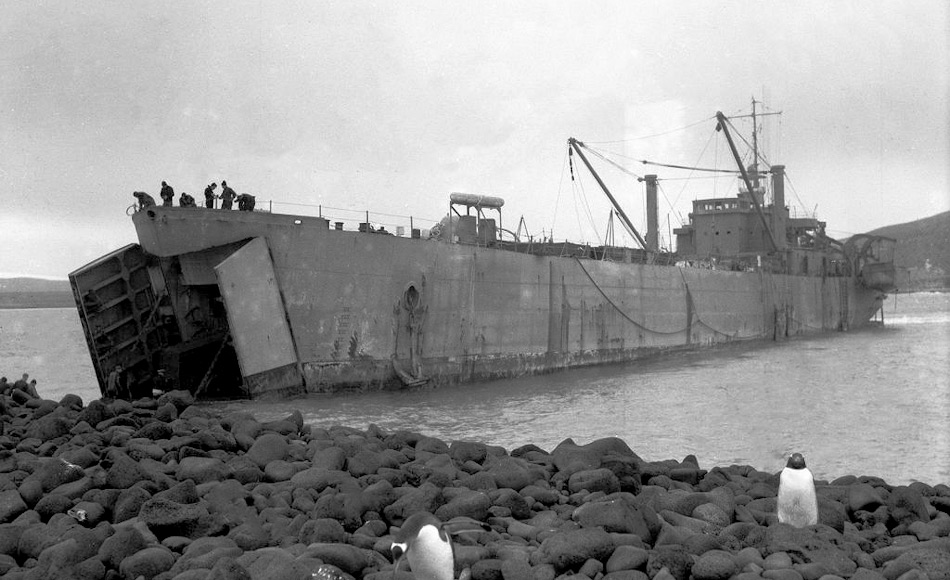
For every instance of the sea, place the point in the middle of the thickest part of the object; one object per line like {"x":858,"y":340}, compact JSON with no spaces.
{"x":874,"y":401}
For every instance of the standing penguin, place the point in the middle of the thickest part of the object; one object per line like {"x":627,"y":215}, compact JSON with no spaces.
{"x":425,"y":542}
{"x":797,"y":503}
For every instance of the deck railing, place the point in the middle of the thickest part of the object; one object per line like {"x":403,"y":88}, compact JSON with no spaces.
{"x":339,"y":218}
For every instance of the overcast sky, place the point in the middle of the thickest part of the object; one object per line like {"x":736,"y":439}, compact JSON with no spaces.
{"x":391,"y":106}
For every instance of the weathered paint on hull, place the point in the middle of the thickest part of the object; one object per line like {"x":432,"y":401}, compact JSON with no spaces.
{"x":481,"y":325}
{"x":360,"y":306}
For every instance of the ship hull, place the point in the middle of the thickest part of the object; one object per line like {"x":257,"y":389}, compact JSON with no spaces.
{"x":509,"y":315}
{"x":311,"y":309}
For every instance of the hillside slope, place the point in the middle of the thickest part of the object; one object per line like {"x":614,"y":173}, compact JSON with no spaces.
{"x":923,"y":252}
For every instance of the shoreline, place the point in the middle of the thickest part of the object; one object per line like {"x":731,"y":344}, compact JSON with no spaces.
{"x":7,"y":307}
{"x":31,"y":300}
{"x":173,"y":491}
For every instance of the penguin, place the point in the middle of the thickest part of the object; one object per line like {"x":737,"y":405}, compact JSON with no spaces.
{"x":797,"y":503}
{"x":426,"y":542}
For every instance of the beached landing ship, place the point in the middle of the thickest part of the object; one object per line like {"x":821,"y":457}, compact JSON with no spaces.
{"x":232,"y":304}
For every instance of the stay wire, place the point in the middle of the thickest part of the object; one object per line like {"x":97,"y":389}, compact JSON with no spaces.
{"x":759,"y":156}
{"x":690,"y":175}
{"x":657,"y":163}
{"x":795,"y":193}
{"x":679,"y":217}
{"x":579,"y":185}
{"x":623,"y":169}
{"x":683,"y":128}
{"x":601,"y":156}
{"x":560,"y":187}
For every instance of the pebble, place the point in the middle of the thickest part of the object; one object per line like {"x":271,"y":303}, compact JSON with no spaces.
{"x":169,"y":490}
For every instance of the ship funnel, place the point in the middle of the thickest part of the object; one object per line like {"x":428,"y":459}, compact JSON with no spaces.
{"x":653,"y":235}
{"x":779,"y":213}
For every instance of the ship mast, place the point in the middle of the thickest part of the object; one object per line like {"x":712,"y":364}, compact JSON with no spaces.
{"x":756,"y":176}
{"x":755,"y":145}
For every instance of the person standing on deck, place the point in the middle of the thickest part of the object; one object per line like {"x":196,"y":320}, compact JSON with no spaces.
{"x":145,"y":200}
{"x":210,"y":196}
{"x":246,"y":202}
{"x":168,"y":194}
{"x":227,"y":195}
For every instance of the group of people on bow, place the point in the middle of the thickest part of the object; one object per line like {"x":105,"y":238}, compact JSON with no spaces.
{"x":245,"y":201}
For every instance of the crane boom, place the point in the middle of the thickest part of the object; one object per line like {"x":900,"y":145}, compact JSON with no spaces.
{"x":576,"y":146}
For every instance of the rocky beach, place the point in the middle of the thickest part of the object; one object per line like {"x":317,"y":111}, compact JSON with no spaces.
{"x":165,"y":489}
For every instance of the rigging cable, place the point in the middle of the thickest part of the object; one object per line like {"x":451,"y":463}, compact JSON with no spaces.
{"x":580,"y":185}
{"x":627,"y":317}
{"x":601,"y":156}
{"x":748,"y":145}
{"x":715,"y":186}
{"x":701,"y":153}
{"x":794,"y":191}
{"x":689,"y":296}
{"x":672,"y":209}
{"x":560,"y":187}
{"x":618,"y":309}
{"x":706,"y":169}
{"x":657,"y":163}
{"x":701,"y":121}
{"x":691,"y":178}
{"x":623,"y":169}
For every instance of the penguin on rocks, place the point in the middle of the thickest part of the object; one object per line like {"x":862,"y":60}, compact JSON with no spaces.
{"x":797,"y":502}
{"x":426,"y":543}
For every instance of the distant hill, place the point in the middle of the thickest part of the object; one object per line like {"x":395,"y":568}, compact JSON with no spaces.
{"x":923,"y":252}
{"x":35,"y":293}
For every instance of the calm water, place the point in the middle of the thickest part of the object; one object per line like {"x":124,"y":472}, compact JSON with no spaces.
{"x":874,"y":401}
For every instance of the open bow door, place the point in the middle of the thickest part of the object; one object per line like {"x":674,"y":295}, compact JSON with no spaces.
{"x":259,"y":328}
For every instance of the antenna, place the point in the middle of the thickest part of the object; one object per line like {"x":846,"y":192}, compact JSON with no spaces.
{"x":755,"y":146}
{"x":755,"y":138}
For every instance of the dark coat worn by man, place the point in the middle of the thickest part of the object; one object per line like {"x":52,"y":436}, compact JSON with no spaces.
{"x":227,"y":196}
{"x":210,"y":196}
{"x":145,"y":200}
{"x":246,"y":202}
{"x":168,"y":194}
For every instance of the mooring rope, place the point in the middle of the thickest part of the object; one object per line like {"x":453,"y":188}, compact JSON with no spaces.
{"x":689,"y":296}
{"x":618,"y":309}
